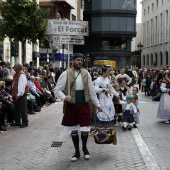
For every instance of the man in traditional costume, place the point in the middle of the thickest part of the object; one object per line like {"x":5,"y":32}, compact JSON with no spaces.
{"x":75,"y":87}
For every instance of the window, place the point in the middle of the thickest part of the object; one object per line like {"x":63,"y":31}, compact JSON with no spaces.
{"x":61,"y":14}
{"x":166,"y":25}
{"x":144,"y":39}
{"x":161,"y":28}
{"x":157,"y":3}
{"x":73,"y":17}
{"x":148,"y":10}
{"x":147,"y":33}
{"x":152,"y":7}
{"x":151,"y":59}
{"x":116,"y":43}
{"x":156,"y":30}
{"x":144,"y":60}
{"x":161,"y":59}
{"x":147,"y":59}
{"x":151,"y":32}
{"x":156,"y":59}
{"x":144,"y":13}
{"x":166,"y":53}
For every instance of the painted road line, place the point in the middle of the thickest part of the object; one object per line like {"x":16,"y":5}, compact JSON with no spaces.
{"x":145,"y":152}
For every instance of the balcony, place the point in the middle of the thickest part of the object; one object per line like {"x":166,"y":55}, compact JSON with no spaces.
{"x":66,"y":3}
{"x":63,"y":3}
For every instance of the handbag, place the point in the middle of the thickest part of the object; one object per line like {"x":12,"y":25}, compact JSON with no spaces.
{"x":105,"y":135}
{"x":30,"y":97}
{"x":47,"y":93}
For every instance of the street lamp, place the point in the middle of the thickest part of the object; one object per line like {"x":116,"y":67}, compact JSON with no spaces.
{"x":140,"y":46}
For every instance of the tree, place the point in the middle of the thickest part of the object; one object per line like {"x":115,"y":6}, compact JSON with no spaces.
{"x":23,"y":20}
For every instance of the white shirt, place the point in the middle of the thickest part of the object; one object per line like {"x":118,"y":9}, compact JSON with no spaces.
{"x":128,"y":105}
{"x":122,"y":76}
{"x":61,"y":84}
{"x":163,"y":87}
{"x":21,"y":85}
{"x":104,"y":82}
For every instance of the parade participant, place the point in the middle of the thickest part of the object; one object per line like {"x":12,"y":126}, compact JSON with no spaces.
{"x":129,"y":112}
{"x":123,"y":76}
{"x":129,"y":72}
{"x":123,"y":88}
{"x":19,"y":92}
{"x":164,"y":106}
{"x":105,"y":93}
{"x":77,"y":111}
{"x":118,"y":107}
{"x":135,"y":102}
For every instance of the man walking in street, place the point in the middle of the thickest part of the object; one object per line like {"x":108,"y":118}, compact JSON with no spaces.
{"x":75,"y":87}
{"x":19,"y":92}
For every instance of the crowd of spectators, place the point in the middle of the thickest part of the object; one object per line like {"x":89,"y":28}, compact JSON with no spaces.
{"x":42,"y":81}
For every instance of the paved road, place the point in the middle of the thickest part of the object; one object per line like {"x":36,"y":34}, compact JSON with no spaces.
{"x":30,"y":148}
{"x":155,"y":132}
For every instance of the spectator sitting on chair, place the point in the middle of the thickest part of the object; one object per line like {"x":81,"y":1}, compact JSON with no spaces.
{"x":51,"y":86}
{"x":40,"y":98}
{"x":32,"y":105}
{"x":7,"y":75}
{"x":30,"y":72}
{"x":7,"y":105}
{"x":2,"y":128}
{"x":43,"y":90}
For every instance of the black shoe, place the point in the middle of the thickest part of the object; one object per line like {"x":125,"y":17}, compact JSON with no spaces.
{"x":75,"y":157}
{"x":15,"y":124}
{"x":31,"y":112}
{"x":37,"y":110}
{"x":129,"y":128}
{"x":2,"y":128}
{"x":123,"y":128}
{"x":134,"y":126}
{"x":23,"y":125}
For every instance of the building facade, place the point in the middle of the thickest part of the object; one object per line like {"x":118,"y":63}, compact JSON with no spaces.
{"x":68,"y":10}
{"x":156,"y":26}
{"x":112,"y":24}
{"x":137,"y":47}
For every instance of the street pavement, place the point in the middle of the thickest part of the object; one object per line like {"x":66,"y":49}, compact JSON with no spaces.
{"x":146,"y":147}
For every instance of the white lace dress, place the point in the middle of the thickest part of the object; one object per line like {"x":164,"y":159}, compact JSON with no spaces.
{"x":105,"y":100}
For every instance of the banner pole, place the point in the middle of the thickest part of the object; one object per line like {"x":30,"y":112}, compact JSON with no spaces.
{"x":68,"y":66}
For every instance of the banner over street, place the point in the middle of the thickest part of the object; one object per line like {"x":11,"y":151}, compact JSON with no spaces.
{"x":62,"y":27}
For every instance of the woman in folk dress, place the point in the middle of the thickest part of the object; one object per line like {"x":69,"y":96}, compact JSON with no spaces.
{"x":105,"y":93}
{"x":164,"y":104}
